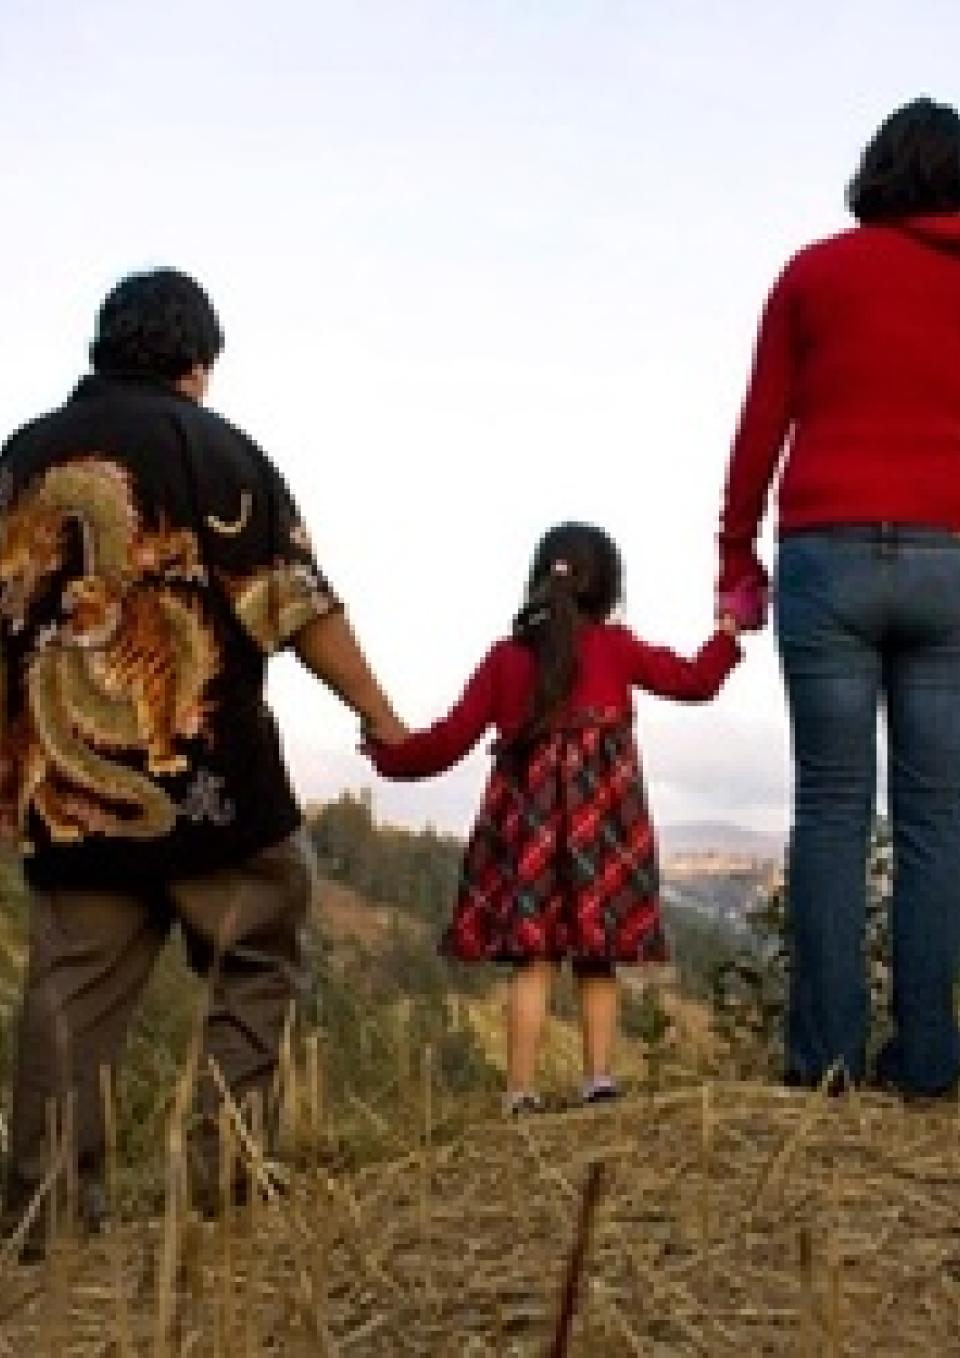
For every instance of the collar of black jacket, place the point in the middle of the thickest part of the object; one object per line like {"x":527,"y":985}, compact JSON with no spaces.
{"x":101,"y":384}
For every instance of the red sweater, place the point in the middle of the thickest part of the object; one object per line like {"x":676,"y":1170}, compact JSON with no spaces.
{"x":611,"y":661}
{"x":857,"y":375}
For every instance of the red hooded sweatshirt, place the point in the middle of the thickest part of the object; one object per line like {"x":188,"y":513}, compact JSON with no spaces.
{"x":855,"y":388}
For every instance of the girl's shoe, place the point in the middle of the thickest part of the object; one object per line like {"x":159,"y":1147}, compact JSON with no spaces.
{"x":520,"y":1104}
{"x":602,"y":1090}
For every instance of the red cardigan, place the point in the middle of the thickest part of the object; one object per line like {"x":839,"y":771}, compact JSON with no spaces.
{"x":857,"y":374}
{"x":611,"y":661}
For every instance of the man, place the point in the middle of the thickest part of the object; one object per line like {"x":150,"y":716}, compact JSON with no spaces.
{"x":151,"y":559}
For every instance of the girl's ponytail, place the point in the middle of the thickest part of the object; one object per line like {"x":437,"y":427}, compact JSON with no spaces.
{"x":576,"y":576}
{"x":547,"y":624}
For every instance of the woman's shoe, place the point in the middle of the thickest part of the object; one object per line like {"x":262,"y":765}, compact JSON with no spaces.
{"x":834,"y":1083}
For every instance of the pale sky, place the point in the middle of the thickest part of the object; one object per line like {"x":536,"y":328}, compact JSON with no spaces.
{"x":482,"y":265}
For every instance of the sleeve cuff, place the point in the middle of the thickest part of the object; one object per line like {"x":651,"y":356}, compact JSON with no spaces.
{"x":276,"y":603}
{"x":386,"y":759}
{"x":739,"y":563}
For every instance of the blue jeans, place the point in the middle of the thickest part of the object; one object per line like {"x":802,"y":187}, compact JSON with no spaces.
{"x":866,"y":616}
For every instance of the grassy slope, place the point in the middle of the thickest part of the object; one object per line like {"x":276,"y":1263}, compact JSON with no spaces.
{"x":355,"y":929}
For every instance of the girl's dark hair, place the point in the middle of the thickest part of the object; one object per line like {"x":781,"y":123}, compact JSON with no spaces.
{"x":910,"y":165}
{"x":576,"y":574}
{"x":160,"y":324}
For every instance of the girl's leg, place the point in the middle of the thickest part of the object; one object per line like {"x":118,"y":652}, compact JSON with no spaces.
{"x":597,"y":986}
{"x":527,"y":1001}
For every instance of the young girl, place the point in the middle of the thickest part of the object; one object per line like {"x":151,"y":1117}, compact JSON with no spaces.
{"x":561,"y":861}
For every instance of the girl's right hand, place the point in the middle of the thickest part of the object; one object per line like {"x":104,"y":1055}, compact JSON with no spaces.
{"x":385,"y":729}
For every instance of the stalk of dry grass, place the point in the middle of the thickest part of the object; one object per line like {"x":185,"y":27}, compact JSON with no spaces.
{"x":573,"y":1275}
{"x":426,"y":1173}
{"x":56,"y":1163}
{"x":251,"y":1345}
{"x":288,"y":1088}
{"x":69,"y":1135}
{"x":227,"y":1299}
{"x":808,"y":1311}
{"x":833,"y":1271}
{"x":60,"y":1239}
{"x":706,"y":1155}
{"x":121,"y":1313}
{"x":176,"y":1180}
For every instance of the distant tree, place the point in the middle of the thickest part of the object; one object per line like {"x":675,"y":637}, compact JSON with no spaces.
{"x":416,"y":870}
{"x":343,"y":834}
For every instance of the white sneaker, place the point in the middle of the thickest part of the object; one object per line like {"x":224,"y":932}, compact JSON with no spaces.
{"x":602,"y":1090}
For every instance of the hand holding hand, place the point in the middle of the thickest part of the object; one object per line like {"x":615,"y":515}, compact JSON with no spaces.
{"x":384,"y":730}
{"x":746,"y":604}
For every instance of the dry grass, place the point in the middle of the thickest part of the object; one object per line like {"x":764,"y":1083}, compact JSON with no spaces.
{"x":733,"y":1218}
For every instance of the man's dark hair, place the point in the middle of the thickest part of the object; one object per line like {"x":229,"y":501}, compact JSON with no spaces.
{"x":159,"y":323}
{"x":910,"y":165}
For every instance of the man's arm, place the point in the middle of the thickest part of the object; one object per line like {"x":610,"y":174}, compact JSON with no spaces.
{"x":328,"y":648}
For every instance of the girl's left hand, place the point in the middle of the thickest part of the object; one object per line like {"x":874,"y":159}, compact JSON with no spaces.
{"x":747,"y":604}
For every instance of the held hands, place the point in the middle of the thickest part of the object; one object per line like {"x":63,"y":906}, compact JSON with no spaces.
{"x":743,"y":608}
{"x":384,"y":729}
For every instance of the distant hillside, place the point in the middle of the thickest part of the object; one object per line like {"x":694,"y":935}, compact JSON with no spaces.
{"x":345,"y":917}
{"x":720,"y":837}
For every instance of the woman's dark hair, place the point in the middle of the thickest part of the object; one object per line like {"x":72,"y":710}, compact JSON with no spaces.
{"x":159,"y":323}
{"x":576,"y":574}
{"x":910,"y":165}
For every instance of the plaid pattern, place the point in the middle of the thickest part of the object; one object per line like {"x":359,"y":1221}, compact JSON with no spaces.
{"x":562,"y":859}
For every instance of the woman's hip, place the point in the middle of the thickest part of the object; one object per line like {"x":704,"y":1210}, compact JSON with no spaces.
{"x":859,"y":596}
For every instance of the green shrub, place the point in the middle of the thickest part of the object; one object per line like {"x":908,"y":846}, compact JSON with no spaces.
{"x":749,"y":988}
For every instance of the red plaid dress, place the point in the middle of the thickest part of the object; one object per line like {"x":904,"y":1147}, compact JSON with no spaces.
{"x":562,"y":859}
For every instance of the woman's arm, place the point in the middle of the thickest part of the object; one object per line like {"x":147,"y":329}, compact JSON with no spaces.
{"x":328,"y":648}
{"x":660,"y":670}
{"x":765,"y":422}
{"x":441,"y":745}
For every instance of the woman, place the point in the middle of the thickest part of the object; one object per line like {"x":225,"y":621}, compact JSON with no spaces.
{"x":857,"y":377}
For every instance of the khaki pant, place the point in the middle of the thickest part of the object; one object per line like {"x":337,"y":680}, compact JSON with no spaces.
{"x":91,"y":953}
